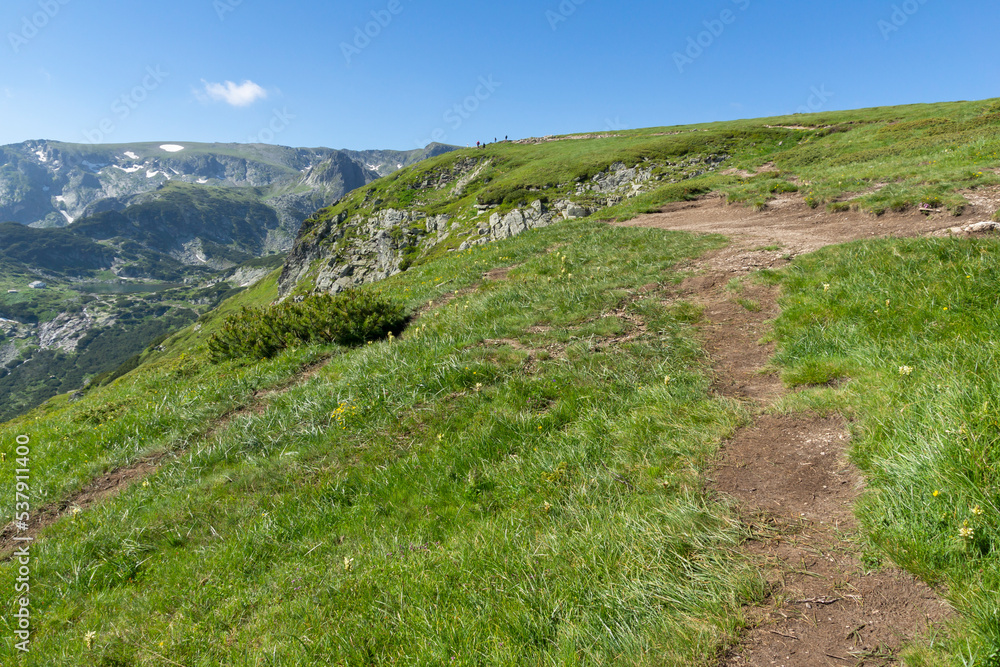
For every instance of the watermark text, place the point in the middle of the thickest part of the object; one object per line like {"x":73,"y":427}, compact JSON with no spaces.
{"x":456,"y":116}
{"x":279,"y":122}
{"x":124,"y":105}
{"x":365,"y":35}
{"x":698,"y":44}
{"x":901,"y":15}
{"x":225,"y":7}
{"x":32,"y":25}
{"x":22,"y":554}
{"x":562,"y":13}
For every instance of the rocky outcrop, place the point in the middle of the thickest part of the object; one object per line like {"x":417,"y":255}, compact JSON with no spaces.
{"x":375,"y":247}
{"x":517,"y":221}
{"x":464,"y":181}
{"x":465,"y":169}
{"x":245,"y":277}
{"x":620,"y":182}
{"x":618,"y":177}
{"x":64,"y":332}
{"x":976,"y":228}
{"x":8,"y":353}
{"x":357,"y":251}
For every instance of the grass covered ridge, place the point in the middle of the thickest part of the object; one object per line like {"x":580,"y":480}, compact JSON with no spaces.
{"x":881,"y":159}
{"x":504,"y":484}
{"x":516,"y":479}
{"x":875,"y":160}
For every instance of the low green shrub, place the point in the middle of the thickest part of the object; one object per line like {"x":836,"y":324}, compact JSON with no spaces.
{"x":350,"y":318}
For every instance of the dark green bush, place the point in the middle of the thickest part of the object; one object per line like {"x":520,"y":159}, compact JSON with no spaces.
{"x":350,"y":318}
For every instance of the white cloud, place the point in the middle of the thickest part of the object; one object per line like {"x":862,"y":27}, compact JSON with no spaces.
{"x":238,"y":95}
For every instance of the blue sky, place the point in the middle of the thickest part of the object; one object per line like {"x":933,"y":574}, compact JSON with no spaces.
{"x":305,"y":73}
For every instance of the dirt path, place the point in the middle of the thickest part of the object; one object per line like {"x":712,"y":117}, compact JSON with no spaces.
{"x":114,"y":482}
{"x":789,"y":475}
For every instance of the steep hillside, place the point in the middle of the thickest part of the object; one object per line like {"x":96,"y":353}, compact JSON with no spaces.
{"x":875,"y":160}
{"x":532,"y":471}
{"x":53,"y":251}
{"x":71,"y":334}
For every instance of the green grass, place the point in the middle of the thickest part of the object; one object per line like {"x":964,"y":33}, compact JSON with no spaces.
{"x":497,"y":486}
{"x":913,"y":323}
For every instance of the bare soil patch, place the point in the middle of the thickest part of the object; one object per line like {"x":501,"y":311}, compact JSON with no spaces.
{"x":498,"y":274}
{"x":735,"y":325}
{"x":788,"y":221}
{"x":806,"y":478}
{"x":824,"y":608}
{"x":788,"y":475}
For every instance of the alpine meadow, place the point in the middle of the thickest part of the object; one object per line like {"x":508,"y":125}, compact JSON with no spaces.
{"x":715,"y":394}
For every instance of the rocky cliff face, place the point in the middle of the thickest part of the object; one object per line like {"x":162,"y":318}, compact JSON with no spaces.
{"x":372,"y":238}
{"x":371,"y":248}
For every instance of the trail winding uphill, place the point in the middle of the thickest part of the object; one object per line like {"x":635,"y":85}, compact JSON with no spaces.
{"x":788,"y":474}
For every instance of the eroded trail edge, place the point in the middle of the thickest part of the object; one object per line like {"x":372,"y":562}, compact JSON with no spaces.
{"x":789,"y":475}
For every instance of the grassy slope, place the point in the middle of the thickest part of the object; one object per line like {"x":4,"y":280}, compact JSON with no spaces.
{"x":873,"y":159}
{"x":418,"y":500}
{"x":391,"y":509}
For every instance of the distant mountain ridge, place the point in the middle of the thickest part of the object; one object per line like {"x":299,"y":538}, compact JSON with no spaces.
{"x":52,"y":184}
